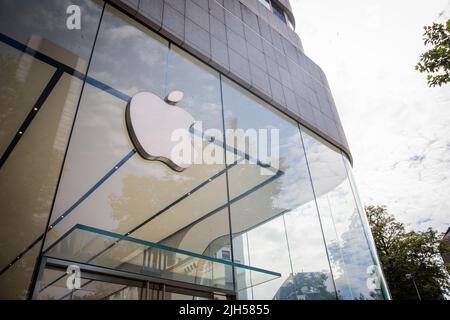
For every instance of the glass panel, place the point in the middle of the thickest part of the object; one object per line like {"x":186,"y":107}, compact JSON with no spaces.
{"x":200,"y":85}
{"x":312,"y":279}
{"x":368,"y":232}
{"x":100,"y":139}
{"x":124,"y":293}
{"x":38,"y":101}
{"x":29,"y":22}
{"x":15,"y":282}
{"x":98,"y":290}
{"x":36,"y":159}
{"x":105,"y":184}
{"x":348,"y":248}
{"x":54,"y":287}
{"x":128,"y":57}
{"x":22,"y":82}
{"x":29,"y":176}
{"x":195,"y":233}
{"x":82,"y":244}
{"x":263,"y":204}
{"x":179,"y":296}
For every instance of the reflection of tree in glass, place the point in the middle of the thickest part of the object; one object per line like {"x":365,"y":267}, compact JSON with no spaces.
{"x":9,"y":88}
{"x":351,"y":256}
{"x":29,"y":176}
{"x":137,"y":198}
{"x":305,"y":286}
{"x":142,"y":197}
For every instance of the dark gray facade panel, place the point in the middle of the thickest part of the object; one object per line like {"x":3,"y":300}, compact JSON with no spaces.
{"x":173,"y":24}
{"x":249,"y":18}
{"x":179,"y":5}
{"x":217,"y":29}
{"x":260,"y":80}
{"x":216,"y":10}
{"x":266,"y":15}
{"x":202,"y":3}
{"x":253,"y":39}
{"x":237,"y":42}
{"x":291,"y":101}
{"x":197,"y":14}
{"x":219,"y":55}
{"x":233,"y":6}
{"x":264,"y":30}
{"x":239,"y":66}
{"x":247,"y":42}
{"x":197,"y":39}
{"x":277,"y":91}
{"x":256,"y":57}
{"x":130,"y":5}
{"x":153,"y":9}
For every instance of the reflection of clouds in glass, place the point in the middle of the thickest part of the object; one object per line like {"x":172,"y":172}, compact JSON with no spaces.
{"x":268,"y":246}
{"x":326,"y":165}
{"x":140,"y":188}
{"x":40,"y":25}
{"x":145,"y":53}
{"x":201,"y":87}
{"x":305,"y":239}
{"x":347,"y":245}
{"x":136,"y":43}
{"x":120,"y":33}
{"x":98,"y":109}
{"x":47,"y":18}
{"x":352,"y":257}
{"x":295,"y":188}
{"x":268,"y":250}
{"x":99,"y":140}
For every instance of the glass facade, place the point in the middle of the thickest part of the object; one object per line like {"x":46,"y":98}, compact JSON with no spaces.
{"x":40,"y":87}
{"x":73,"y":188}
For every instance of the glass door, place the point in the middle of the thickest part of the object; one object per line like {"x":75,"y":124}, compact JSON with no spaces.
{"x":63,"y":280}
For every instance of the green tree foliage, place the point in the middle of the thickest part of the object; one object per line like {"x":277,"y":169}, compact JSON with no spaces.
{"x":409,"y":252}
{"x":436,"y":61}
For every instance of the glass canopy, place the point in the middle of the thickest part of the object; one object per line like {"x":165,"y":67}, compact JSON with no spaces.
{"x":89,"y":245}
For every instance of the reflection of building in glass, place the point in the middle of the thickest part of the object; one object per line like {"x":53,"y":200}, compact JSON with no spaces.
{"x":73,"y":189}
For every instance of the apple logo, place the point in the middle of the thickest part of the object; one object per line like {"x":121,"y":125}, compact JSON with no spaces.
{"x":151,"y":121}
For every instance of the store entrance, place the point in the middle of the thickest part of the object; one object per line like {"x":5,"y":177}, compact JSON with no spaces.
{"x":91,"y":263}
{"x":97,"y":283}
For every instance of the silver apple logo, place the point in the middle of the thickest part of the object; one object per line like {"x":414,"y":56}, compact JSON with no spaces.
{"x":151,"y":121}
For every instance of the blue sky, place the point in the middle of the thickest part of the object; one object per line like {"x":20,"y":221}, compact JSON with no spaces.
{"x":398,"y":128}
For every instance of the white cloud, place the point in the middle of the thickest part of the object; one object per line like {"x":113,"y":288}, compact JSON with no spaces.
{"x":398,"y":128}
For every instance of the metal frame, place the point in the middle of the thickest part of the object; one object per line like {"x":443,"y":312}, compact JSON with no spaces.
{"x":95,"y":273}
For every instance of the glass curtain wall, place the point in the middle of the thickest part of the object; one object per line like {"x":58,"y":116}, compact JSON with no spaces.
{"x":107,"y":185}
{"x":376,"y":272}
{"x":41,"y":65}
{"x":275,"y":225}
{"x":351,"y":257}
{"x":302,"y":220}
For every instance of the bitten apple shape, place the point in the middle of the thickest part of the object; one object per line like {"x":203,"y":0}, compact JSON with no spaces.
{"x":151,"y":122}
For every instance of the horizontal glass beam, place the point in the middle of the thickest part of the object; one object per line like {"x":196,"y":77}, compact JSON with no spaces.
{"x":83,"y":243}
